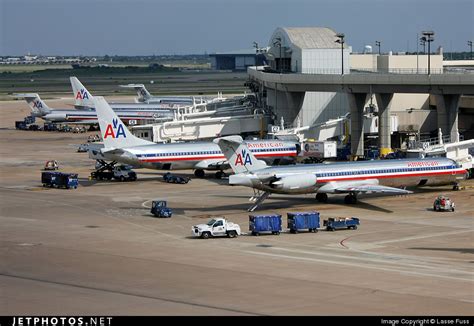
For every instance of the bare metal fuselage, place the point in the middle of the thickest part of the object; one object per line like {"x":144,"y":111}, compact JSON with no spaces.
{"x":391,"y":173}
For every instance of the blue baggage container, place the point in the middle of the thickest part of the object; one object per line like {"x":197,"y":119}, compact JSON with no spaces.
{"x":265,"y":223}
{"x":303,"y":220}
{"x":59,"y":180}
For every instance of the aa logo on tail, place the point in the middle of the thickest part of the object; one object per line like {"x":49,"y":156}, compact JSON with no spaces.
{"x":82,"y":95}
{"x":37,"y":104}
{"x":115,"y":130}
{"x":243,"y":159}
{"x":143,"y":92}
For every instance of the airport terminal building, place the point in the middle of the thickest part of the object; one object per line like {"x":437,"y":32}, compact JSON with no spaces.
{"x":307,"y":50}
{"x":313,"y":76}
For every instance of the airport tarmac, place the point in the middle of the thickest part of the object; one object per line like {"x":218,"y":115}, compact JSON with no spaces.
{"x":97,"y":250}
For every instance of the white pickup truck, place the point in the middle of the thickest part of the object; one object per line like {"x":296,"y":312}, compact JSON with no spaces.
{"x":216,"y":227}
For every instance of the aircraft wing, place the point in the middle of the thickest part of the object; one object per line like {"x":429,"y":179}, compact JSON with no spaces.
{"x":360,"y":186}
{"x":212,"y":164}
{"x":370,"y":188}
{"x":82,"y":122}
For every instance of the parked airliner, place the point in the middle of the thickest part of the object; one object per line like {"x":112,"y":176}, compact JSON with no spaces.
{"x":83,"y":99}
{"x":40,"y":109}
{"x":144,"y":96}
{"x":122,"y":146}
{"x":384,"y":176}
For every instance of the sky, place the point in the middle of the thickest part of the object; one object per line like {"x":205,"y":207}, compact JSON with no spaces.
{"x":146,"y":27}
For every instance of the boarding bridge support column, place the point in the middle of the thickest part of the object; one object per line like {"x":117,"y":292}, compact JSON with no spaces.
{"x":448,"y":110}
{"x":294,"y":102}
{"x":356,"y":106}
{"x":285,"y":104}
{"x":384,"y":127}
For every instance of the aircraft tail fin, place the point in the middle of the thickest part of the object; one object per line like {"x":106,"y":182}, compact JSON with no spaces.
{"x":82,"y":97}
{"x":37,"y":105}
{"x":114,"y":132}
{"x":240,"y":158}
{"x":142,"y":93}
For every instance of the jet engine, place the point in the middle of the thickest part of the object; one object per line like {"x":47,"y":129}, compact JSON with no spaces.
{"x":294,"y":182}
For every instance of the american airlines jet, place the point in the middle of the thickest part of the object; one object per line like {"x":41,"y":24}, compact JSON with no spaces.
{"x":41,"y":110}
{"x":144,"y":96}
{"x":352,"y":178}
{"x":122,"y":146}
{"x":83,"y":99}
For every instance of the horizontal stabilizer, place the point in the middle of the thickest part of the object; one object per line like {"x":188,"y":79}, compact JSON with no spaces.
{"x":132,"y":85}
{"x":112,"y":151}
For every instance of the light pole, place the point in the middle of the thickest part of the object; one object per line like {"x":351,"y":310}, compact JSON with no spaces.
{"x":255,"y":44}
{"x":428,"y":35}
{"x":340,"y":40}
{"x":469,"y":43}
{"x":423,"y":42}
{"x":377,"y":43}
{"x":278,"y":42}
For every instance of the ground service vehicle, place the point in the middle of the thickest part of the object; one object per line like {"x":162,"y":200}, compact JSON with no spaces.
{"x":443,"y":203}
{"x":51,"y":165}
{"x":82,"y":148}
{"x":160,"y":209}
{"x":303,"y":220}
{"x":171,"y":178}
{"x":337,"y":223}
{"x":318,"y":151}
{"x":50,"y":126}
{"x":216,"y":227}
{"x":20,"y":125}
{"x":25,"y":124}
{"x":265,"y":223}
{"x":59,"y":180}
{"x":119,"y":172}
{"x":93,"y":139}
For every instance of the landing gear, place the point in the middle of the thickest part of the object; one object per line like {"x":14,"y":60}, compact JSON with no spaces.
{"x":322,"y":197}
{"x":220,"y":174}
{"x":456,"y":187}
{"x":350,"y":199}
{"x":199,"y":173}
